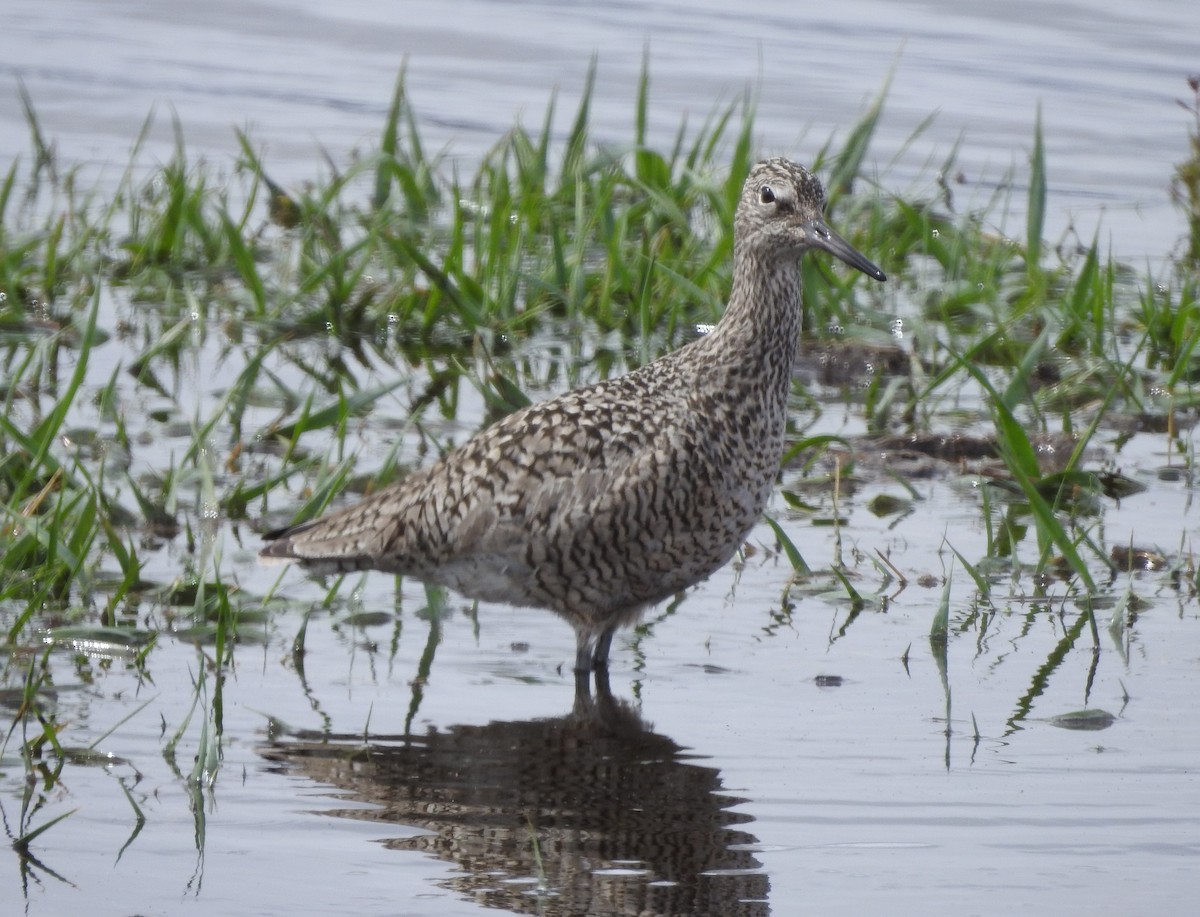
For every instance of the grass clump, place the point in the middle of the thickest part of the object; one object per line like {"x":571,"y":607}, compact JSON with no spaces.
{"x":248,"y":330}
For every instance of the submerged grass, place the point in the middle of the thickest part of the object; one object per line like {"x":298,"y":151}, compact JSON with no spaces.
{"x":399,"y":280}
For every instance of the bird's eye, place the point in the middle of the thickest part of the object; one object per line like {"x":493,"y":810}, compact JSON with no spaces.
{"x":766,"y":194}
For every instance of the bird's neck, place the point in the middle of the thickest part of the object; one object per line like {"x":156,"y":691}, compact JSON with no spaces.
{"x":761,"y":324}
{"x":744,"y":371}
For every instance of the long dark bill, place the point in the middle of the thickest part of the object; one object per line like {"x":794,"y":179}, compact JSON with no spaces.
{"x":825,"y":238}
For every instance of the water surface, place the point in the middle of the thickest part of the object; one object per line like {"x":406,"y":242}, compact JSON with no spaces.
{"x":304,"y":76}
{"x":771,"y":749}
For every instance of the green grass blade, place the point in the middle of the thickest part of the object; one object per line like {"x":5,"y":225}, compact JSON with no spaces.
{"x":1019,"y":456}
{"x":25,"y":840}
{"x":795,"y":558}
{"x":939,"y":628}
{"x":1035,"y":218}
{"x":389,"y":144}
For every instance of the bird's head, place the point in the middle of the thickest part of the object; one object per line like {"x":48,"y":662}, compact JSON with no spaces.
{"x":781,"y":214}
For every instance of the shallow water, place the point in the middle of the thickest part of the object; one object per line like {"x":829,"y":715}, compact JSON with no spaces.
{"x":774,"y":750}
{"x":801,"y":756}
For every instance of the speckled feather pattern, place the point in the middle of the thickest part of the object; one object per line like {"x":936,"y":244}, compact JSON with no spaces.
{"x":609,"y":498}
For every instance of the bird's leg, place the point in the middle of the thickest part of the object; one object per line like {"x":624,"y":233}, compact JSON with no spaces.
{"x":585,"y":645}
{"x":600,"y":653}
{"x":591,"y":649}
{"x":591,"y":656}
{"x":583,"y":692}
{"x":598,"y":708}
{"x":603,"y":691}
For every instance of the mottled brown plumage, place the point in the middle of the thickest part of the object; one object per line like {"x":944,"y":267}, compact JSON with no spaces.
{"x":609,"y":498}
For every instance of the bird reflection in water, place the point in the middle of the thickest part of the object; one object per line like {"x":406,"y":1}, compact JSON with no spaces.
{"x":622,"y":821}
